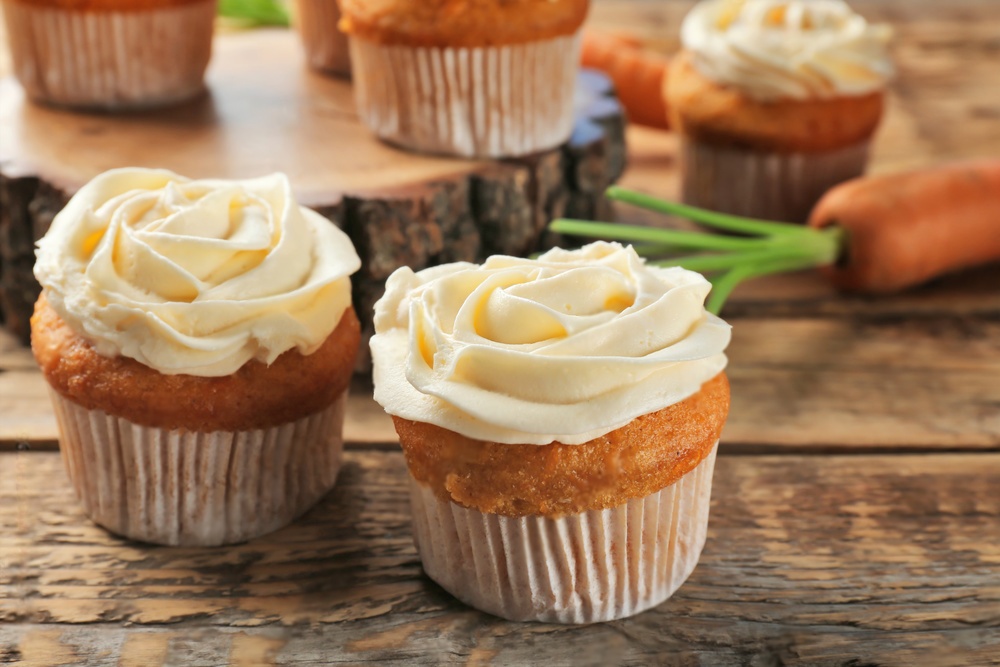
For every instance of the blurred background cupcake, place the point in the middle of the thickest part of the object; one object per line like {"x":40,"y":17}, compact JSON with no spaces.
{"x":110,"y":54}
{"x":559,"y":419}
{"x":485,"y":78}
{"x":775,"y":101}
{"x":325,"y":45}
{"x":198,"y":339}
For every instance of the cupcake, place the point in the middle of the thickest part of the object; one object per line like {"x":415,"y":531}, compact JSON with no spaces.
{"x":559,"y":419}
{"x":110,"y":54}
{"x":483,"y":78}
{"x":198,"y":339}
{"x":325,"y":46}
{"x":775,"y":101}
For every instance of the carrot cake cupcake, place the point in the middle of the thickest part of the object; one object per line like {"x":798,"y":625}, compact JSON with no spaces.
{"x":110,"y":54}
{"x":559,"y":419}
{"x":776,"y":101}
{"x":478,"y":78}
{"x":198,"y":339}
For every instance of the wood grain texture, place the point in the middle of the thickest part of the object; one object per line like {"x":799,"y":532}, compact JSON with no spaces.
{"x":810,"y":561}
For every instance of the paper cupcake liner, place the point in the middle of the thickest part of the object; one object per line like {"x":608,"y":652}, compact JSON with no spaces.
{"x":595,"y":566}
{"x":772,"y":186}
{"x":495,"y":101}
{"x":177,"y":487}
{"x":110,"y":59}
{"x":325,"y":46}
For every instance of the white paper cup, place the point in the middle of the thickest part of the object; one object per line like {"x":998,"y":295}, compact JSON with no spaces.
{"x":759,"y":184}
{"x":325,"y":46}
{"x":182,"y":488}
{"x":498,"y":101}
{"x":590,"y":567}
{"x":110,"y":59}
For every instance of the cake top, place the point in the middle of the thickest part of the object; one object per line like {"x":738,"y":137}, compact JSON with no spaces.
{"x":563,"y":348}
{"x":799,"y":49}
{"x":461,"y":23}
{"x":110,"y":5}
{"x":195,"y":277}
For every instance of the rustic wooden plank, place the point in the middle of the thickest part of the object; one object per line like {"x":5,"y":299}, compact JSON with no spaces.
{"x":856,"y":384}
{"x":810,"y":560}
{"x":798,"y":383}
{"x":13,"y":355}
{"x":447,"y":640}
{"x":970,"y":293}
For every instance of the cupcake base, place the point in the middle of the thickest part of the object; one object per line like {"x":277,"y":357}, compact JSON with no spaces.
{"x":325,"y":46}
{"x":757,"y":184}
{"x":591,"y":567}
{"x":500,"y":101}
{"x":181,"y":488}
{"x":110,"y":60}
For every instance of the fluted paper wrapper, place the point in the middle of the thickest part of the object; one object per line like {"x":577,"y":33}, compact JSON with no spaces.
{"x":325,"y":46}
{"x":497,"y":101}
{"x":110,"y":59}
{"x":757,"y":184}
{"x":177,"y":487}
{"x":595,"y":566}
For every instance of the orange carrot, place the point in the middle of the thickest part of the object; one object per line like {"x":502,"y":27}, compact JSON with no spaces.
{"x":904,"y":229}
{"x":638,"y":75}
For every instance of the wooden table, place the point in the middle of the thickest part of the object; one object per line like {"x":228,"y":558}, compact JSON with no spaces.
{"x":856,"y":508}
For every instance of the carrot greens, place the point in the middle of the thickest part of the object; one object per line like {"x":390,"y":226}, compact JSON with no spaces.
{"x":763,"y":247}
{"x":254,"y":13}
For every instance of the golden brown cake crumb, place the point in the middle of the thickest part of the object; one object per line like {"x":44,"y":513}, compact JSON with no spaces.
{"x":640,"y":458}
{"x":721,"y":115}
{"x":256,"y":396}
{"x":461,"y":22}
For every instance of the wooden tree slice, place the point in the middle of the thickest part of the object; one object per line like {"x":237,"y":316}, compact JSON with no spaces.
{"x":267,"y":112}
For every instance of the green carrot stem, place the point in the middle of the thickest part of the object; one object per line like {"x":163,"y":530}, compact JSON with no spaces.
{"x":655,"y":235}
{"x":654,"y":249}
{"x":777,"y":247}
{"x":726,"y":261}
{"x":251,"y":13}
{"x":724,"y":285}
{"x":732,"y":223}
{"x":816,"y":249}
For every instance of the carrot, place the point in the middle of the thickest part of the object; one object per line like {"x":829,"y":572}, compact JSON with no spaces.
{"x":638,"y":75}
{"x":872,"y":235}
{"x":904,"y":229}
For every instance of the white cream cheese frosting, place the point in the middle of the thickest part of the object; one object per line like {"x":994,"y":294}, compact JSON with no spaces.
{"x":195,"y":276}
{"x":799,"y":49}
{"x":566,"y":347}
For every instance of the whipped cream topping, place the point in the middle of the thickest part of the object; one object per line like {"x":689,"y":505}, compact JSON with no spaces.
{"x":564,"y":348}
{"x":797,"y":49}
{"x":195,"y":277}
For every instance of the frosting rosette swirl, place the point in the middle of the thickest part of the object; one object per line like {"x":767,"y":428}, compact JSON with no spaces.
{"x":195,"y":276}
{"x":563,"y":348}
{"x":799,"y":49}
